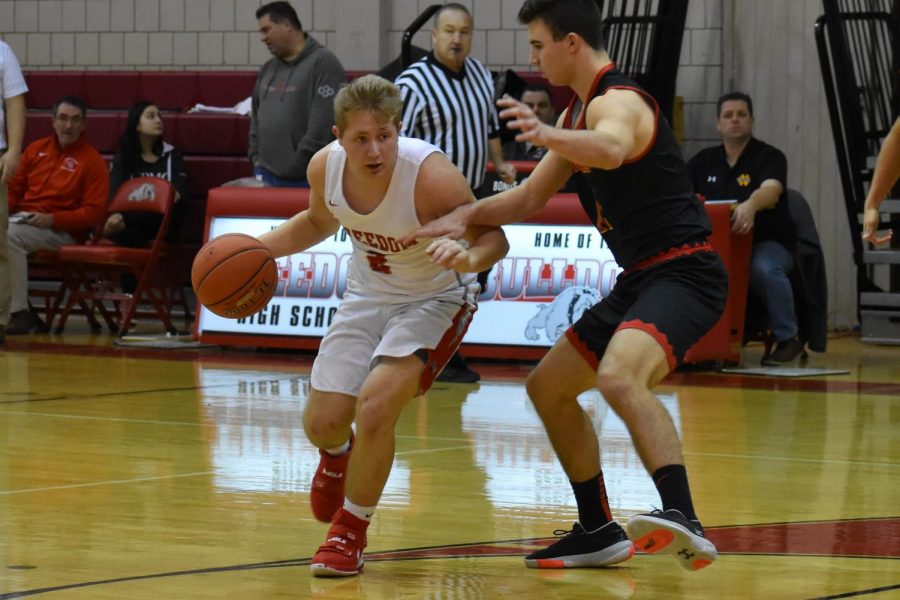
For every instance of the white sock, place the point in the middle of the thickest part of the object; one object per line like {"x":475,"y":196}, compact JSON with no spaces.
{"x":363,"y":512}
{"x":340,"y":449}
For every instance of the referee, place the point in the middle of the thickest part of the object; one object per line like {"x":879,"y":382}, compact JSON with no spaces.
{"x":448,"y":100}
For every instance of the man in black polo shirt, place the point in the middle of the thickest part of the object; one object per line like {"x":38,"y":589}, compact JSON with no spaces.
{"x":754,"y":173}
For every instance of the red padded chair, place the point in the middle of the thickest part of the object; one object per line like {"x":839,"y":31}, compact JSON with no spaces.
{"x":94,"y":270}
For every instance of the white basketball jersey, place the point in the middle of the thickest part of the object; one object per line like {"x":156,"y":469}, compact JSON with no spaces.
{"x":381,"y":264}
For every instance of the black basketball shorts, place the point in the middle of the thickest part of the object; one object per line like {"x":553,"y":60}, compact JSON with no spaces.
{"x":676,"y":301}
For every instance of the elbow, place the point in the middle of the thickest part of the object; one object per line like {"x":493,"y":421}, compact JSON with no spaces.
{"x":613,"y":159}
{"x":504,"y":242}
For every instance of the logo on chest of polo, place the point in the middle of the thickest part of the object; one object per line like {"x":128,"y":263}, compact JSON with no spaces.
{"x":382,"y":243}
{"x":743,"y":179}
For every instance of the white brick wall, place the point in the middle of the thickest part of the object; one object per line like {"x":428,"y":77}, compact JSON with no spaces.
{"x":50,"y":16}
{"x":112,"y":50}
{"x":137,"y":49}
{"x":171,"y":15}
{"x":7,"y":13}
{"x":87,"y":50}
{"x":700,"y":73}
{"x":210,"y":34}
{"x":39,"y":48}
{"x":121,"y":15}
{"x":97,"y":14}
{"x":222,"y":15}
{"x":26,"y":16}
{"x":62,"y":49}
{"x":146,"y":15}
{"x":74,"y":15}
{"x":196,"y":15}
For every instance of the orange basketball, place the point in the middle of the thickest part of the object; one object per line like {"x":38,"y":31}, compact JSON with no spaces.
{"x":234,"y":275}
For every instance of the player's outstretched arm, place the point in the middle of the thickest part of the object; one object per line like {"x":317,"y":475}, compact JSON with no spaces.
{"x":510,"y":206}
{"x":441,"y":190}
{"x":309,"y":227}
{"x":887,"y":170}
{"x":620,"y":124}
{"x":487,"y":246}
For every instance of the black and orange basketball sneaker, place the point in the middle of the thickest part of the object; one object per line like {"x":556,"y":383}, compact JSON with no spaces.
{"x":669,"y":532}
{"x":326,"y":495}
{"x":606,"y":545}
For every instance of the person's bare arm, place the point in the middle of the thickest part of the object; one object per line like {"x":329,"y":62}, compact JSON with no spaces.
{"x":515,"y":204}
{"x":441,"y":189}
{"x":887,"y":170}
{"x":505,"y":171}
{"x":15,"y":132}
{"x":764,"y":197}
{"x":309,"y":227}
{"x":620,"y":125}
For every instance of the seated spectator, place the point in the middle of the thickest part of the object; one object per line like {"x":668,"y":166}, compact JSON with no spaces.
{"x":56,"y":197}
{"x":143,"y":153}
{"x":537,"y":98}
{"x":754,"y":173}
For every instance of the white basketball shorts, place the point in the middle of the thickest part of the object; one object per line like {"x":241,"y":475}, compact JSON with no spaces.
{"x":366,"y":328}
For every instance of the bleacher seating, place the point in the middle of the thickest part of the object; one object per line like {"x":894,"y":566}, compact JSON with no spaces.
{"x":115,"y":90}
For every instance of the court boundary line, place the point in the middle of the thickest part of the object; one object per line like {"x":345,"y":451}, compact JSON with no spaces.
{"x":303,"y":360}
{"x":387,"y":555}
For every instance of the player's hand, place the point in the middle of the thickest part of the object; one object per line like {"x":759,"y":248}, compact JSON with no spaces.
{"x":452,"y":225}
{"x":523,"y":118}
{"x":449,"y":254}
{"x":506,"y":172}
{"x":9,"y":162}
{"x":114,"y":224}
{"x":42,"y":220}
{"x":742,"y":218}
{"x":871,"y":220}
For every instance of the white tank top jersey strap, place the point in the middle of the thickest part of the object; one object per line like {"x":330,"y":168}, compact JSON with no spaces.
{"x":381,"y":264}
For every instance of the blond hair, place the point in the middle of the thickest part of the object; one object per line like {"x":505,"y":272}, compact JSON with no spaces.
{"x":372,"y":93}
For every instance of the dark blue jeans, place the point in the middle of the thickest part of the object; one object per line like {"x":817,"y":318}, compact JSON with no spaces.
{"x":770,"y":265}
{"x":271,"y":179}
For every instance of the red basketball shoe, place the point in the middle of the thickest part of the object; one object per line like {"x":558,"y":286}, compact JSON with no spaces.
{"x":326,"y":495}
{"x":342,"y":553}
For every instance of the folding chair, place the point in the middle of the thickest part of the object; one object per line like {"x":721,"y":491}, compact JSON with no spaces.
{"x":47,"y":290}
{"x":93,"y":271}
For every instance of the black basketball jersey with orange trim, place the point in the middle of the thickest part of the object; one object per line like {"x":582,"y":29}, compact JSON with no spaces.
{"x":646,"y":206}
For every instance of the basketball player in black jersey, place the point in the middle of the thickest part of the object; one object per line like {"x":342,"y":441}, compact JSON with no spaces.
{"x":634,"y":185}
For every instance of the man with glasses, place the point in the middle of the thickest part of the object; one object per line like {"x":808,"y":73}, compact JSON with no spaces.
{"x":56,"y":197}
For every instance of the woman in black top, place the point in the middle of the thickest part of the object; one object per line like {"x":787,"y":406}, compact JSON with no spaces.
{"x":143,"y":153}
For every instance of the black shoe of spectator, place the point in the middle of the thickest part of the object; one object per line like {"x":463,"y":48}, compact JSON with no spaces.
{"x":785,"y":352}
{"x":457,"y":371}
{"x":20,"y":322}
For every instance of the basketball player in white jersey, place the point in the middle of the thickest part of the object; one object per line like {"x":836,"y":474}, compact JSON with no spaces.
{"x":405,"y":310}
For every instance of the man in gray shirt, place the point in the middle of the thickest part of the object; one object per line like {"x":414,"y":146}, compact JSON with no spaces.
{"x":292,"y":99}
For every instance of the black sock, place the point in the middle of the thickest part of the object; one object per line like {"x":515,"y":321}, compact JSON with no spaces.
{"x":593,"y":505}
{"x":672,"y":484}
